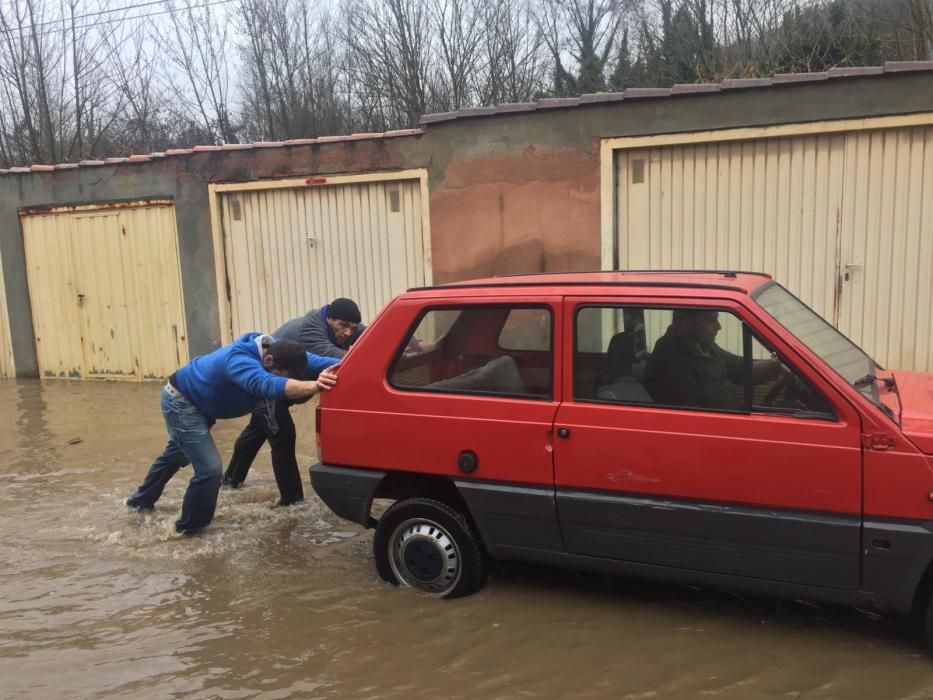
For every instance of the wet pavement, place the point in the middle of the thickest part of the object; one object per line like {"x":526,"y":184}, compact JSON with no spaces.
{"x":99,"y":602}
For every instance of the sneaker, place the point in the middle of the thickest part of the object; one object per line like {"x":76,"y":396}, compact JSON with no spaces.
{"x":227,"y":483}
{"x":138,"y":507}
{"x":292,"y":502}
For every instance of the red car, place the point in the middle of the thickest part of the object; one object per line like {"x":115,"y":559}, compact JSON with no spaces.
{"x":705,"y":427}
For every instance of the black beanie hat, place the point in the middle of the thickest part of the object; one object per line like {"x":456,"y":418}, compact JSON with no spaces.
{"x":344,"y":310}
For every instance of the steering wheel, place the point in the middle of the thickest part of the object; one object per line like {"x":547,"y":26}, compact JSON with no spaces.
{"x":794,"y":390}
{"x":780,"y":386}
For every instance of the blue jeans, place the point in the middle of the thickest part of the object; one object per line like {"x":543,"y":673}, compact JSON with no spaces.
{"x":189,"y":442}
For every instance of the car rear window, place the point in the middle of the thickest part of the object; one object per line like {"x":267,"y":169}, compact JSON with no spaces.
{"x":498,"y":350}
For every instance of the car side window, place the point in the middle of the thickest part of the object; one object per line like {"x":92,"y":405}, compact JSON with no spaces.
{"x":492,"y":350}
{"x":684,"y":357}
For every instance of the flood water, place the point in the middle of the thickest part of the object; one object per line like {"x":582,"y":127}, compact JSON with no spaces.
{"x":99,"y":602}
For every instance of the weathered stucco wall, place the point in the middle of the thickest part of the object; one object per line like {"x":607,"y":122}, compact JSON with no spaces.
{"x":185,"y":179}
{"x":520,"y":192}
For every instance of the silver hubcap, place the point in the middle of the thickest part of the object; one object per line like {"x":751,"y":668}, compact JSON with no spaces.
{"x":423,"y":555}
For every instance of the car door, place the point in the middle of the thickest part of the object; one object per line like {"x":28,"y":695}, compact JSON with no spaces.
{"x":771,"y":492}
{"x":468,"y":393}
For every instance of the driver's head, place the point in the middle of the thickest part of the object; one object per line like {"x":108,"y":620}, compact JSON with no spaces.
{"x":700,"y":325}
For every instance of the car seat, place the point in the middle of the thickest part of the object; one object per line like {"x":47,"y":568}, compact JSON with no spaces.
{"x":620,"y":384}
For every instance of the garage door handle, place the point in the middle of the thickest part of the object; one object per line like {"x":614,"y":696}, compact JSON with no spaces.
{"x":563,"y":432}
{"x":81,"y":300}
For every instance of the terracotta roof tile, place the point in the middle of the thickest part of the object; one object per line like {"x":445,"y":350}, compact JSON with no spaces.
{"x":330,"y":139}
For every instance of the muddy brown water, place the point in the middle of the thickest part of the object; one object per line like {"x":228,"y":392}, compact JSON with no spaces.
{"x":269,"y":602}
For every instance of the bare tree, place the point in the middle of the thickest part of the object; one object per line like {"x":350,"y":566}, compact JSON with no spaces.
{"x":388,"y":60}
{"x":586,"y":30}
{"x":515,"y":53}
{"x":461,"y":33}
{"x":291,"y":77}
{"x":195,"y":43}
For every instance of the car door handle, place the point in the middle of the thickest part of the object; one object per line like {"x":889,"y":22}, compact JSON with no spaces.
{"x":563,"y":432}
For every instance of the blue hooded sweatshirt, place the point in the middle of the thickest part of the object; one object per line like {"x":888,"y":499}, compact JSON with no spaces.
{"x":230,"y":381}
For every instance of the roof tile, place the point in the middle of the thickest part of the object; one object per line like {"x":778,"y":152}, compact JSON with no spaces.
{"x":638,"y":93}
{"x":364,"y":136}
{"x":558,"y":102}
{"x":907,"y":66}
{"x":794,"y":78}
{"x":403,"y":132}
{"x":437,"y":117}
{"x":854,"y":71}
{"x":745,"y":83}
{"x":695,"y":88}
{"x":329,"y":139}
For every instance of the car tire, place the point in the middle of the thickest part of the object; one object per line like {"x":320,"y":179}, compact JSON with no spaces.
{"x":427,"y":545}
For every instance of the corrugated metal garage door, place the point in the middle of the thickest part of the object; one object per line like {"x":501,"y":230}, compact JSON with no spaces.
{"x":844,"y":220}
{"x":7,"y":368}
{"x":292,"y":249}
{"x":105,"y":291}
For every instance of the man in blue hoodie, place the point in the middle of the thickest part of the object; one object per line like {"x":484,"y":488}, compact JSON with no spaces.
{"x":249,"y":374}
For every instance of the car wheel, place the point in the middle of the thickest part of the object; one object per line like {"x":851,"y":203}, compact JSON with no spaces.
{"x":425,"y":544}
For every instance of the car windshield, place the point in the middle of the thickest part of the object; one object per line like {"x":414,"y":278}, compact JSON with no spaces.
{"x":845,"y":357}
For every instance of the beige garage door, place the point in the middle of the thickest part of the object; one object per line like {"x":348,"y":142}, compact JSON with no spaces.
{"x":7,"y":368}
{"x":105,"y":291}
{"x":844,"y":220}
{"x":290,"y":249}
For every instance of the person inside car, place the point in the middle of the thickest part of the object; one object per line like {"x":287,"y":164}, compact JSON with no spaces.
{"x":688,"y":368}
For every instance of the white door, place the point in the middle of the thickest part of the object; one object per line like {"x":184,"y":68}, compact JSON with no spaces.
{"x":288,"y":250}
